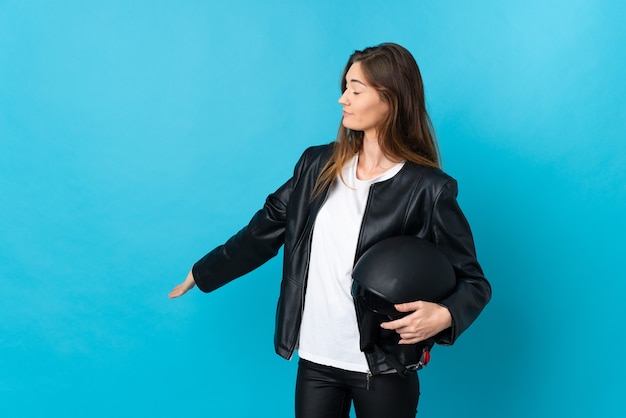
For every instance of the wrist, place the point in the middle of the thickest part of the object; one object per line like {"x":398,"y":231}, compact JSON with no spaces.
{"x":445,"y":317}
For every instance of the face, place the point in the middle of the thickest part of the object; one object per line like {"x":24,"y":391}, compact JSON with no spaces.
{"x":363,"y":109}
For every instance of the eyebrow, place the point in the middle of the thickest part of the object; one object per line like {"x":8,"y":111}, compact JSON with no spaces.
{"x":357,"y":81}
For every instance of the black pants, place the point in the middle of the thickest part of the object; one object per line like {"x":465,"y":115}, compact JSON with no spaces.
{"x":327,"y":392}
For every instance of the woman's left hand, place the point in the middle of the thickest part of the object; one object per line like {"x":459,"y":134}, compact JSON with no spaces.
{"x":426,"y":320}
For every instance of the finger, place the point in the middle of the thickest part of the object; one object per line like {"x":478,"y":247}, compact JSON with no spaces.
{"x":394,"y":325}
{"x":411,"y":338}
{"x":405,"y":322}
{"x":408,"y":307}
{"x":414,"y":336}
{"x":410,"y":341}
{"x":176,"y":292}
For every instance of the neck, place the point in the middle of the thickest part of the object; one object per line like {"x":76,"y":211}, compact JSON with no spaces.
{"x":372,"y":161}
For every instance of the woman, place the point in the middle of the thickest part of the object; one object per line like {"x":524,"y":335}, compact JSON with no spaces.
{"x":379,"y":179}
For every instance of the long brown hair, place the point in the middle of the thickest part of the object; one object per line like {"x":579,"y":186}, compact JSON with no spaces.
{"x":407,"y":132}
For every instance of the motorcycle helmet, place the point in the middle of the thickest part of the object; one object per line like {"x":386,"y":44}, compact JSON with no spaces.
{"x":398,"y":270}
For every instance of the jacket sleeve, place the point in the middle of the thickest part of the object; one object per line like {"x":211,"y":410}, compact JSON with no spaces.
{"x":253,"y":245}
{"x":452,"y":234}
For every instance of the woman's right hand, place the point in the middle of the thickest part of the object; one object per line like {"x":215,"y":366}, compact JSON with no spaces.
{"x":182,"y":288}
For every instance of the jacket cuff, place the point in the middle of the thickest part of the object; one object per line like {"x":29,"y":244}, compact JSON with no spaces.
{"x":446,"y":337}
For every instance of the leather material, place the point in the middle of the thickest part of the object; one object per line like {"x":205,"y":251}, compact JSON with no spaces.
{"x":324,"y":391}
{"x":418,"y":201}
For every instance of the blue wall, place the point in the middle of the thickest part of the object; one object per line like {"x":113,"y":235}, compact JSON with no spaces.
{"x":135,"y":136}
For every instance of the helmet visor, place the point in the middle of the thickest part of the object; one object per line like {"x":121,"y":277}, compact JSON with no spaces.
{"x":375,"y":303}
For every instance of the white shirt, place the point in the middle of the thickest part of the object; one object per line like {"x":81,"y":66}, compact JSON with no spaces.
{"x":329,"y":333}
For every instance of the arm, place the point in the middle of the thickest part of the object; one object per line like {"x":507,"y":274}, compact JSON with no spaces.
{"x":448,"y":319}
{"x":453,"y":236}
{"x":249,"y":248}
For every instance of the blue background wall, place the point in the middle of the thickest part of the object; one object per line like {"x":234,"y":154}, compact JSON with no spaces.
{"x":135,"y":136}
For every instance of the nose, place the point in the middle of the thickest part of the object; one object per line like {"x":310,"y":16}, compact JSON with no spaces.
{"x":343,"y":99}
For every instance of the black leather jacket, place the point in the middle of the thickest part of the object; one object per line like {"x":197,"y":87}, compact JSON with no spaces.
{"x":417,"y":201}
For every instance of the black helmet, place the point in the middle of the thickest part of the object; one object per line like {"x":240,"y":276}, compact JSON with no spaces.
{"x":398,"y":270}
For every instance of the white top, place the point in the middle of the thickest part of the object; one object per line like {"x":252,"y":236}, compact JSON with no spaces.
{"x":329,"y":334}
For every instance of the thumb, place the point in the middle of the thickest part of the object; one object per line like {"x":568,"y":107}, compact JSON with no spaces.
{"x":407,"y":307}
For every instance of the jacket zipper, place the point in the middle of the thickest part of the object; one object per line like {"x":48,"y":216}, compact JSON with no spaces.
{"x":306,"y":273}
{"x":358,"y":248}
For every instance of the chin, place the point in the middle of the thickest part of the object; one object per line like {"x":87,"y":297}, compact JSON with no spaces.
{"x":349,"y":126}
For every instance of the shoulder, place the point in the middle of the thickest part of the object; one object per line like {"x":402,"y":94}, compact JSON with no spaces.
{"x":425,"y":183}
{"x":318,"y":152}
{"x":427,"y":175}
{"x":315,"y":157}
